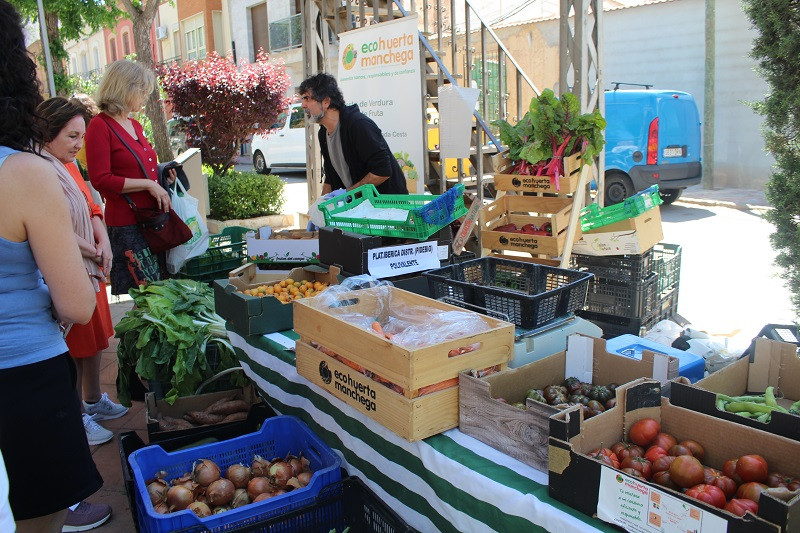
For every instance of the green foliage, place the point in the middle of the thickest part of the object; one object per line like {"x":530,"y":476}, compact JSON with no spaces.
{"x":777,"y":49}
{"x":237,"y":195}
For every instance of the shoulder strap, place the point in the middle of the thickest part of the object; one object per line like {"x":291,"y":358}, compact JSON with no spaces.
{"x":135,"y":155}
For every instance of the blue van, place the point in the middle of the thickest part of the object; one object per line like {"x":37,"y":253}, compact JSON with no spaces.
{"x":652,"y":137}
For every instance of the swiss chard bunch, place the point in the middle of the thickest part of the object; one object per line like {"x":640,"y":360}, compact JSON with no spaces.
{"x":164,"y":338}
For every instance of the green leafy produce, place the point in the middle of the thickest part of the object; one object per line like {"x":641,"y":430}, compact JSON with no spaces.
{"x":164,"y":338}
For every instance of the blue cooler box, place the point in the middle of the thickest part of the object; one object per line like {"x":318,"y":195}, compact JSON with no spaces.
{"x":690,"y":366}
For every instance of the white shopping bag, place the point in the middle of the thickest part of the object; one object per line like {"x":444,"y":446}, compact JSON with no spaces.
{"x":185,"y":206}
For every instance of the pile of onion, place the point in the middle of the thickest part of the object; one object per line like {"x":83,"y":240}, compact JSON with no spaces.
{"x":207,"y":490}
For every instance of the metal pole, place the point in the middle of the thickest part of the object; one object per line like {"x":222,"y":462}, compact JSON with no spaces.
{"x":48,"y":61}
{"x":708,"y":97}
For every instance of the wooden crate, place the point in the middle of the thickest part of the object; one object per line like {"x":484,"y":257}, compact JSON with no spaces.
{"x":411,"y":369}
{"x":412,"y":419}
{"x":567,"y":184}
{"x":521,"y":210}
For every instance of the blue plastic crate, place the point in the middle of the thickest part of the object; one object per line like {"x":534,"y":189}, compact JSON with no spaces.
{"x":690,"y":365}
{"x":278,"y":437}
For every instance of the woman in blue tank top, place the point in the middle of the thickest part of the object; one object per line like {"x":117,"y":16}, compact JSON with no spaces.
{"x":41,"y":277}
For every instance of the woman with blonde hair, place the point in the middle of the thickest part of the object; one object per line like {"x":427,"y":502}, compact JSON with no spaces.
{"x":123,"y":166}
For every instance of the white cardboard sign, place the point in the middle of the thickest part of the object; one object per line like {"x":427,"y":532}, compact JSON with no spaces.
{"x":404,"y":259}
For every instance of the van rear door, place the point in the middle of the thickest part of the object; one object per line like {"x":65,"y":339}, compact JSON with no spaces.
{"x":678,"y":129}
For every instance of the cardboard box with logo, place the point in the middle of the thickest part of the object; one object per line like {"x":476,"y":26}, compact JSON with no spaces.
{"x":627,"y":237}
{"x":266,"y":246}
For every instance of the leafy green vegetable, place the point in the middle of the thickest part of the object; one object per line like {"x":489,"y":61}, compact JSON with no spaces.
{"x":165,"y":336}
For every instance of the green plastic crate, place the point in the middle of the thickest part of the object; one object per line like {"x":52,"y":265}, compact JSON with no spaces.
{"x":426,"y":214}
{"x":226,"y":251}
{"x":594,"y":216}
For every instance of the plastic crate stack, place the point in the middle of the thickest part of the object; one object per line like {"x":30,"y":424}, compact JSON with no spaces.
{"x":226,"y":251}
{"x":631,"y":293}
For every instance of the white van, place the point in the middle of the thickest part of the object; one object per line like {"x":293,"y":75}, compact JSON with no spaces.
{"x":285,"y":145}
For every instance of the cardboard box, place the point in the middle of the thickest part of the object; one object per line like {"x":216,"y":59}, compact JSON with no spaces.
{"x":521,"y":210}
{"x":287,"y":246}
{"x":251,"y":315}
{"x":567,"y":184}
{"x":350,"y":251}
{"x":155,"y":407}
{"x":632,"y":236}
{"x":773,"y":364}
{"x":523,"y":434}
{"x":596,"y":490}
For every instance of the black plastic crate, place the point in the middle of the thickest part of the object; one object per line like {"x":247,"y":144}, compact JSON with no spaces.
{"x":614,"y":326}
{"x":623,"y":299}
{"x":667,"y":264}
{"x":347,"y":503}
{"x":529,"y":294}
{"x":631,"y":268}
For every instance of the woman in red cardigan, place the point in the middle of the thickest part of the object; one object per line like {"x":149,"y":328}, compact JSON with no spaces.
{"x":114,"y":170}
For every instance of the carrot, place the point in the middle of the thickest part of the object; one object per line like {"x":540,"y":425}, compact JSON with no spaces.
{"x":376,"y":326}
{"x":446,"y":384}
{"x":349,"y":363}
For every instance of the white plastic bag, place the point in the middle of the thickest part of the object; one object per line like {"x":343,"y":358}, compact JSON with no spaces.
{"x":185,"y":206}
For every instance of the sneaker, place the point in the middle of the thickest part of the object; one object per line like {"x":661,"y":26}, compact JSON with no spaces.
{"x":95,"y":433}
{"x":86,"y":516}
{"x":105,"y":409}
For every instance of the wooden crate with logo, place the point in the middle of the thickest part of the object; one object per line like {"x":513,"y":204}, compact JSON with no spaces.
{"x":566,"y":184}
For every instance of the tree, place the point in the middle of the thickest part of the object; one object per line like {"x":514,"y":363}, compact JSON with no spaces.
{"x":777,"y":49}
{"x":226,"y":104}
{"x":142,"y":13}
{"x":67,"y":20}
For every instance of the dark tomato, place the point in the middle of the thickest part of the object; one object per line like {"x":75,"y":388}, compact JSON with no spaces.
{"x":729,"y":469}
{"x":751,"y":491}
{"x":751,"y":468}
{"x":718,"y":479}
{"x":606,"y":456}
{"x":739,"y":506}
{"x":707,"y":493}
{"x":794,"y":485}
{"x":663,"y":479}
{"x":654,"y":452}
{"x":665,"y":440}
{"x":695,"y":448}
{"x":662,"y":463}
{"x":686,"y":471}
{"x":633,"y":472}
{"x":639,"y":463}
{"x":626,"y":449}
{"x":679,"y":449}
{"x":776,"y":479}
{"x":644,"y":431}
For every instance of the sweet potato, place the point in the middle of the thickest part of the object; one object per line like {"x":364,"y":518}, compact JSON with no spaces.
{"x":235,"y":417}
{"x":167,"y":423}
{"x":228,"y":408}
{"x":226,"y":398}
{"x":203,"y":418}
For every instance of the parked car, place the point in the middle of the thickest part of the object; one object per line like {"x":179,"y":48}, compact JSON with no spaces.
{"x":284,"y":145}
{"x":652,"y":137}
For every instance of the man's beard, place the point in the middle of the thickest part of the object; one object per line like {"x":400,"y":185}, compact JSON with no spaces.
{"x":316,"y":119}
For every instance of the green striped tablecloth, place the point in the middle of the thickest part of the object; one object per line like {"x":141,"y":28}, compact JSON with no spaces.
{"x":449,"y":482}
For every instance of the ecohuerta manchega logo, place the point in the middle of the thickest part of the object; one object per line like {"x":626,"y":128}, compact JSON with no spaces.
{"x":381,"y":52}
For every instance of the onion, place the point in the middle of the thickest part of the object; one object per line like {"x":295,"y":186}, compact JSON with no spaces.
{"x":220,"y":509}
{"x":258,"y":485}
{"x":239,"y":475}
{"x":240,"y":498}
{"x":220,"y":492}
{"x":205,"y":472}
{"x":304,"y":478}
{"x":178,"y":498}
{"x":157,"y":491}
{"x":200,"y":509}
{"x":280,"y":472}
{"x":161,"y":508}
{"x":295,"y":463}
{"x":183,"y":479}
{"x":293,"y":483}
{"x":263,"y":496}
{"x":306,"y":464}
{"x":260,"y":466}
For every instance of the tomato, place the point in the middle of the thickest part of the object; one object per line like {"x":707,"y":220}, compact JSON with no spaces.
{"x":633,"y":472}
{"x":776,"y":479}
{"x":606,"y":456}
{"x":679,"y":449}
{"x":626,"y":449}
{"x":639,"y":463}
{"x":644,"y":431}
{"x":751,"y":491}
{"x":662,"y":463}
{"x":729,"y":469}
{"x":751,"y":468}
{"x":686,"y":471}
{"x":707,"y":493}
{"x":739,"y":506}
{"x":718,"y":479}
{"x":695,"y":448}
{"x":794,"y":485}
{"x":663,"y":479}
{"x":654,"y":452}
{"x":665,"y":440}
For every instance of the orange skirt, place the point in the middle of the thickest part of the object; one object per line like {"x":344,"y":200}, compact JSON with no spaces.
{"x":85,"y":340}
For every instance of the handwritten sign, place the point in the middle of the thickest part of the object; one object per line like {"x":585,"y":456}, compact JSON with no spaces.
{"x":639,"y":508}
{"x":404,"y":259}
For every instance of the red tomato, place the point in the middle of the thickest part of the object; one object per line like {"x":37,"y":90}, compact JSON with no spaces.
{"x":679,"y":449}
{"x":654,"y":452}
{"x":644,"y":431}
{"x":794,"y":485}
{"x":729,"y":469}
{"x":751,"y":491}
{"x":639,"y":463}
{"x":707,"y":493}
{"x":665,"y":440}
{"x":695,"y":448}
{"x":686,"y":471}
{"x":751,"y":468}
{"x":718,"y":479}
{"x":626,"y":449}
{"x":633,"y":472}
{"x":776,"y":479}
{"x":606,"y":456}
{"x":739,"y":507}
{"x":663,"y":479}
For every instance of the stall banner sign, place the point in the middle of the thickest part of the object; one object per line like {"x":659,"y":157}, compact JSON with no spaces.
{"x":404,"y":259}
{"x":379,"y":69}
{"x":639,"y":508}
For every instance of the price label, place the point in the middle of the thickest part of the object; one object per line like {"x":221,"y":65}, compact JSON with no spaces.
{"x":405,"y":259}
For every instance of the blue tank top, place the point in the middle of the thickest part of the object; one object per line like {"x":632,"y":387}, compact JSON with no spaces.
{"x":28,"y":331}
